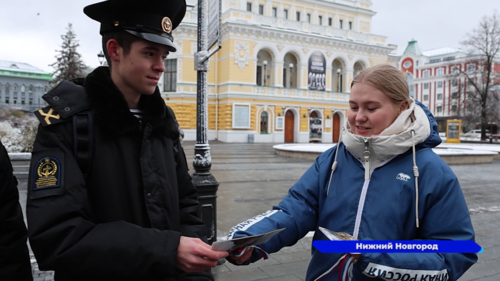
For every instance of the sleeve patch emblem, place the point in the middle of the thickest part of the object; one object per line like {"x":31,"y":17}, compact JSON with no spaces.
{"x":48,"y":173}
{"x":48,"y":116}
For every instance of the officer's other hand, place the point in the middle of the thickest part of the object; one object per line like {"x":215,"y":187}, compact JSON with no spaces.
{"x":241,"y":255}
{"x":194,"y":255}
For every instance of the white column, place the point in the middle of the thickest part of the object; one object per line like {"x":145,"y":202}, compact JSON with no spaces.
{"x":348,"y":76}
{"x":302,"y":72}
{"x":329,"y":82}
{"x":277,"y":72}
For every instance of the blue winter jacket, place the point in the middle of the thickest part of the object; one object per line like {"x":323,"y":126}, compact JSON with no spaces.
{"x":384,"y":206}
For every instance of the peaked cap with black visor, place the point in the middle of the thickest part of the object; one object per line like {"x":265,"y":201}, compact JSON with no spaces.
{"x":151,"y":20}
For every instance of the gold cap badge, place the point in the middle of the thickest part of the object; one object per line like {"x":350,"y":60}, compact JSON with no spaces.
{"x":166,"y":24}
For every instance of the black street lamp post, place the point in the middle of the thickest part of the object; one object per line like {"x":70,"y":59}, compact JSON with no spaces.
{"x":100,"y":56}
{"x":202,"y":178}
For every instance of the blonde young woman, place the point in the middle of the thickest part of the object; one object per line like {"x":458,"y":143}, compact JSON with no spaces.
{"x":381,"y":182}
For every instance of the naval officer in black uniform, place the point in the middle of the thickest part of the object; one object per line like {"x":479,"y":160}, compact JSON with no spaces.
{"x":110,"y":197}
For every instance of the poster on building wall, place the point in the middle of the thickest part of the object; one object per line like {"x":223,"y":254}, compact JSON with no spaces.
{"x":241,"y":116}
{"x":279,"y":123}
{"x":328,"y":123}
{"x":315,"y":129}
{"x":316,"y":72}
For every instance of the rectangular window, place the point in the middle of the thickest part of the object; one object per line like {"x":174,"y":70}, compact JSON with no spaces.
{"x":454,"y":95}
{"x":330,"y":21}
{"x":440,"y":72}
{"x":297,"y":16}
{"x":341,"y":24}
{"x":426,"y":86}
{"x":426,"y":97}
{"x":440,"y":84}
{"x":350,"y":25}
{"x":285,"y":14}
{"x":454,"y":108}
{"x":261,"y":9}
{"x":320,"y":20}
{"x":471,"y":67}
{"x":454,"y":70}
{"x":454,"y":82}
{"x":249,"y":6}
{"x":439,"y":96}
{"x":426,"y":73}
{"x":170,"y":76}
{"x":309,"y":18}
{"x":439,"y":109}
{"x":275,"y":12}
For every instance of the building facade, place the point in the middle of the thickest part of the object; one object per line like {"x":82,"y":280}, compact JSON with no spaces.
{"x":283,"y":73}
{"x":439,"y":79}
{"x":22,"y":85}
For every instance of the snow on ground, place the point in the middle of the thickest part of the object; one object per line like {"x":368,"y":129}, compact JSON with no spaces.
{"x":442,"y":149}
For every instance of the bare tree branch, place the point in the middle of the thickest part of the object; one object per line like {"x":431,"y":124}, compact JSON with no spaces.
{"x":483,"y":46}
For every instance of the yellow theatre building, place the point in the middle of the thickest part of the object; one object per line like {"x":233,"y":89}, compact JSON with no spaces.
{"x":283,"y":73}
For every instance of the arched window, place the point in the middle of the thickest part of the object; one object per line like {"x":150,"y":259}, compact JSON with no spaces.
{"x":264,"y":124}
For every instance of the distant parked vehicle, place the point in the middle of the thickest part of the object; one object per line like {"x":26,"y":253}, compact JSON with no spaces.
{"x":474,"y":135}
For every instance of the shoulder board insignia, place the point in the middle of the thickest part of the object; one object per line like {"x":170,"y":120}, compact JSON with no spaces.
{"x":48,"y":116}
{"x":47,"y":173}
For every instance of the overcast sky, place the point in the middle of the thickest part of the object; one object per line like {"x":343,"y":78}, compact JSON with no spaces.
{"x":30,"y":30}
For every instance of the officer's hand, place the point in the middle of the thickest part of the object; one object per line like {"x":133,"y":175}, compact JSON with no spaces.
{"x":194,"y":255}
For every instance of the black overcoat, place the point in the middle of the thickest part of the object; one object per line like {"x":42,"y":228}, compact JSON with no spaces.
{"x":125,"y":221}
{"x":14,"y":256}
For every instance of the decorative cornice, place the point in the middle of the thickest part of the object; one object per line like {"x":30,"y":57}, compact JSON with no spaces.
{"x":285,"y":37}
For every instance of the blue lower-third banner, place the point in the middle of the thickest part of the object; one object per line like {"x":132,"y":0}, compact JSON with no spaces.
{"x":413,"y":246}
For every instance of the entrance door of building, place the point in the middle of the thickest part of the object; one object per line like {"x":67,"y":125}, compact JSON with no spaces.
{"x":336,"y":127}
{"x":289,"y":122}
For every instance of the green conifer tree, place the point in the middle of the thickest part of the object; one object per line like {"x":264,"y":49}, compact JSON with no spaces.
{"x":69,"y":64}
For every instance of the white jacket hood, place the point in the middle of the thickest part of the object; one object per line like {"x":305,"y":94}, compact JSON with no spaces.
{"x":394,"y":140}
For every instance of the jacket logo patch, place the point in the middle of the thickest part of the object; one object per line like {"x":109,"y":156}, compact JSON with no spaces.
{"x":49,"y":115}
{"x":48,"y":173}
{"x":403,"y":177}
